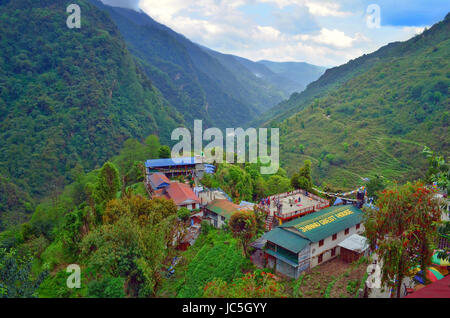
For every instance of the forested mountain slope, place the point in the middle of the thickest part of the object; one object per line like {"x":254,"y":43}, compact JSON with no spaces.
{"x":224,"y":90}
{"x":68,"y":97}
{"x":377,"y":121}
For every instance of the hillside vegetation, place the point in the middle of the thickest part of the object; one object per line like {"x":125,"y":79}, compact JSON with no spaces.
{"x":69,"y":98}
{"x":377,"y":121}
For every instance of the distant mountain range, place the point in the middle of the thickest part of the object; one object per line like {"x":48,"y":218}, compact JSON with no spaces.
{"x":224,"y":90}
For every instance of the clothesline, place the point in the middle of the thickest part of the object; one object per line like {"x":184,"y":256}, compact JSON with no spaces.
{"x":338,"y":194}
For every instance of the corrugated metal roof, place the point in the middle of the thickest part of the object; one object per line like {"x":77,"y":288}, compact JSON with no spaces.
{"x":355,"y":243}
{"x":155,"y":163}
{"x":181,"y":193}
{"x":324,"y":223}
{"x":157,"y":179}
{"x":223,"y":207}
{"x":290,"y":241}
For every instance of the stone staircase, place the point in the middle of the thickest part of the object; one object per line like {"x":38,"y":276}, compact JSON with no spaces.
{"x":269,"y":222}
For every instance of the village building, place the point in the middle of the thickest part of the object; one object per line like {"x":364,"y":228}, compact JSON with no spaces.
{"x":208,"y":195}
{"x":306,"y":242}
{"x":219,"y":211}
{"x":181,"y":194}
{"x":157,"y":181}
{"x":353,"y":248}
{"x":173,"y":167}
{"x":290,"y":205}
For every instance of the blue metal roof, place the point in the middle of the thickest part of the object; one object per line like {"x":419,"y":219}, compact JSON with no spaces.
{"x":155,"y":163}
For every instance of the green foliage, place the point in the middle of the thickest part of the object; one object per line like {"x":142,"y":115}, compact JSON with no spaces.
{"x":220,"y":260}
{"x":253,"y":285}
{"x":108,"y":183}
{"x":183,"y":213}
{"x":109,"y":287}
{"x":375,"y":185}
{"x":404,"y":229}
{"x":67,"y":97}
{"x":164,"y":152}
{"x":16,"y":279}
{"x":383,"y":109}
{"x":16,"y":205}
{"x":243,"y":226}
{"x":303,"y":179}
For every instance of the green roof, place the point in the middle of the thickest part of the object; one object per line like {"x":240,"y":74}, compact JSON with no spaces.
{"x":222,"y":207}
{"x":290,"y":241}
{"x":324,"y":223}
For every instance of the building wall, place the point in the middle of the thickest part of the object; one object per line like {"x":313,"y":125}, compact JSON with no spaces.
{"x":286,"y":269}
{"x":328,"y":244}
{"x":216,"y":220}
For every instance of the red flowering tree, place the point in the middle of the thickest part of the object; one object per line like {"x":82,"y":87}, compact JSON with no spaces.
{"x":253,"y":285}
{"x":243,"y":226}
{"x":404,"y":229}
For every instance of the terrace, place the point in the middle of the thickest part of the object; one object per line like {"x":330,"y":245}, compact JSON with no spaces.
{"x":293,"y":204}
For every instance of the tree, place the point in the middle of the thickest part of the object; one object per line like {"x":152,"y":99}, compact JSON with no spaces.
{"x":277,"y":184}
{"x":375,"y":185}
{"x":153,"y":145}
{"x":302,"y":179}
{"x":109,"y":287}
{"x":243,"y":226}
{"x":108,"y":183}
{"x":439,"y":172}
{"x":164,"y":152}
{"x":16,"y":279}
{"x":404,"y":229}
{"x":183,"y":213}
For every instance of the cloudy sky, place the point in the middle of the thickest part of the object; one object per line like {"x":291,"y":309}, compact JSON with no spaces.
{"x":320,"y":32}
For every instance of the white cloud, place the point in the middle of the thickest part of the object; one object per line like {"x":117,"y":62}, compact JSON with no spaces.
{"x":334,"y":37}
{"x":318,"y":32}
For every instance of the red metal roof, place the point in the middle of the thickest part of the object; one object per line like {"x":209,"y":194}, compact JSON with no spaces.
{"x":439,"y":289}
{"x":181,"y":193}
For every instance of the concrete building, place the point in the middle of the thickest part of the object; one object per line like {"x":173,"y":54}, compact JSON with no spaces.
{"x":308,"y":241}
{"x":290,"y":205}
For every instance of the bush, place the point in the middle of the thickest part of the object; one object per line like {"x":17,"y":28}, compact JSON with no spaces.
{"x":183,"y":213}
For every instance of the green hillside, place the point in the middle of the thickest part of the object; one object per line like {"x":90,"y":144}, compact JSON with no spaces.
{"x":68,"y":97}
{"x":390,"y":104}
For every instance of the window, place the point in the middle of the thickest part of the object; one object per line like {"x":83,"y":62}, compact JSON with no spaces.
{"x":320,"y":242}
{"x":320,"y":259}
{"x":358,"y":226}
{"x":333,"y":251}
{"x":346,"y":231}
{"x":334,"y":236}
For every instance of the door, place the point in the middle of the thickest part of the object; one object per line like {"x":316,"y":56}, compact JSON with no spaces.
{"x":320,"y":258}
